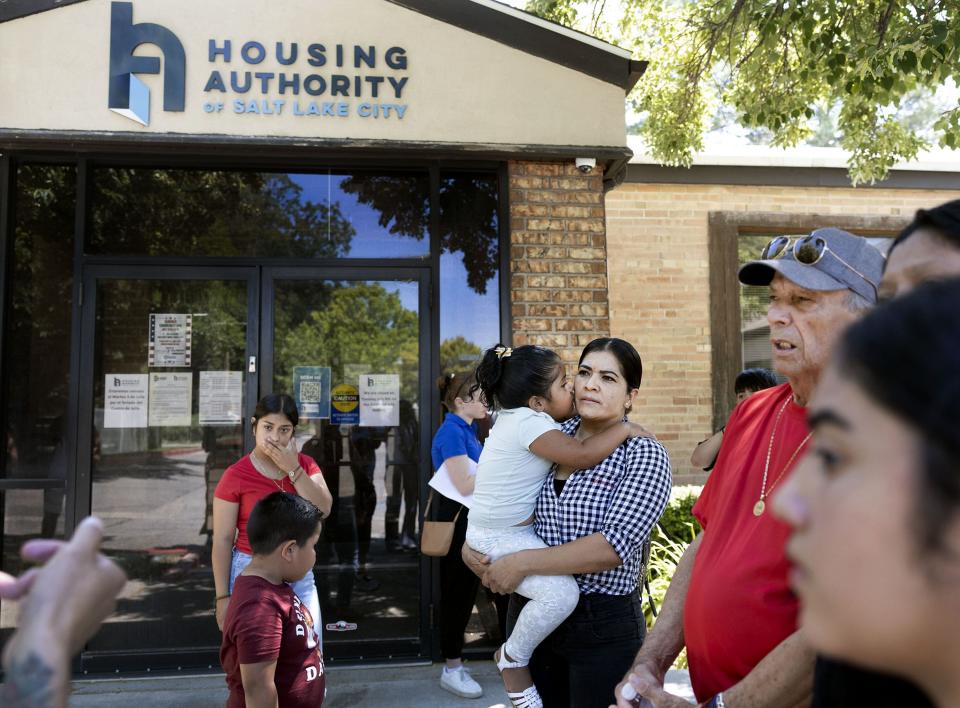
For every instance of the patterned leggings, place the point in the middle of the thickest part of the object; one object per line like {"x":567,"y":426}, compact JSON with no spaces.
{"x":552,"y":597}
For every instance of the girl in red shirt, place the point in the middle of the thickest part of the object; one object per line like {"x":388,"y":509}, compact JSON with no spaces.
{"x":274,"y":465}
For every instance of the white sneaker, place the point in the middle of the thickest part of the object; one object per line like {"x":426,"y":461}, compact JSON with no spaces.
{"x":460,"y":683}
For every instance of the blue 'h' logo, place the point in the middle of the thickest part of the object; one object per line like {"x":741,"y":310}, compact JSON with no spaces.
{"x":129,"y":96}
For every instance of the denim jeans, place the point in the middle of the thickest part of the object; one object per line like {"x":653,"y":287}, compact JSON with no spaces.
{"x":305,"y":588}
{"x":584,"y":659}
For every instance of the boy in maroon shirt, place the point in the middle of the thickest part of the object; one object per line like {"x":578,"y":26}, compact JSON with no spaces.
{"x":270,"y":650}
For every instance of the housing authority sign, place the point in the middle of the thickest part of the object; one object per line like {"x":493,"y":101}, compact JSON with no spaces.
{"x":255,"y":77}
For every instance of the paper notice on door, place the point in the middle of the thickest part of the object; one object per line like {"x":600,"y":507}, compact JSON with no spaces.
{"x":170,"y":340}
{"x":311,"y":390}
{"x":170,"y":399}
{"x":221,"y":397}
{"x":379,"y":400}
{"x":125,"y":401}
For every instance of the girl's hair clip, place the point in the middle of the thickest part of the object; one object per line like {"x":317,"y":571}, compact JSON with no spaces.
{"x":503,"y":352}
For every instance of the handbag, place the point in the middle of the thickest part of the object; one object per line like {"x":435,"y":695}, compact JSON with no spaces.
{"x":436,"y":536}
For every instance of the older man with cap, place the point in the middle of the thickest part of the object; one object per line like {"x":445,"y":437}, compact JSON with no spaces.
{"x":729,"y":602}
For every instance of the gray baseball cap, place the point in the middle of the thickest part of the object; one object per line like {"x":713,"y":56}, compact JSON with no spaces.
{"x":846,"y":262}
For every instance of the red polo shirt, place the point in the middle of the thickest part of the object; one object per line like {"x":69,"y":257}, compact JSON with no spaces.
{"x":738,"y":605}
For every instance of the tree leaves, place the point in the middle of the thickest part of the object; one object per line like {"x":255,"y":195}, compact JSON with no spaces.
{"x":782,"y":58}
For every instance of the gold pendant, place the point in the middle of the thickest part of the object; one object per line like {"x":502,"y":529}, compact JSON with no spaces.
{"x":758,"y":508}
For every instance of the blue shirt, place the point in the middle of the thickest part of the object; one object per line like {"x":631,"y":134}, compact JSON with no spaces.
{"x":454,"y":437}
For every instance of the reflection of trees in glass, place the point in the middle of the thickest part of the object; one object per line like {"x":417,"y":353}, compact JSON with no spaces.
{"x":468,"y":215}
{"x":753,"y":299}
{"x":458,"y":354}
{"x":192,"y":212}
{"x":361,"y":323}
{"x":37,"y":337}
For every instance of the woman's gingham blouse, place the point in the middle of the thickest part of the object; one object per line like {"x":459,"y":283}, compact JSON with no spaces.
{"x":622,"y":498}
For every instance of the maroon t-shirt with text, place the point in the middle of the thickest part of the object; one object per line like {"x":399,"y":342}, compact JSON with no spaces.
{"x":267,"y":622}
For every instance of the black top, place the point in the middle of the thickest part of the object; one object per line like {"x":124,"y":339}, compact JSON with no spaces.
{"x":840,"y":685}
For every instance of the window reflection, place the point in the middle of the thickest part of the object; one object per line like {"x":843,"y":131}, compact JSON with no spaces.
{"x":469,"y":267}
{"x":141,"y":211}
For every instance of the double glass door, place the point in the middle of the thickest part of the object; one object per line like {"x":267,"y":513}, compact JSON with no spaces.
{"x":173,"y":362}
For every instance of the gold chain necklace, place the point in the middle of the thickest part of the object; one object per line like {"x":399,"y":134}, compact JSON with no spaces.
{"x":259,"y":467}
{"x":761,"y":504}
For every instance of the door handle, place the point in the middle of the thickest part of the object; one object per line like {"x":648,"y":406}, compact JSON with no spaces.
{"x":252,"y":366}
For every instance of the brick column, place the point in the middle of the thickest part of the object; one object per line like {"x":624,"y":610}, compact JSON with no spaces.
{"x":558,"y":256}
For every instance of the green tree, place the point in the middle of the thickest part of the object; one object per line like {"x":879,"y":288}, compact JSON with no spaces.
{"x":362,"y":324}
{"x":773,"y":61}
{"x":459,"y":354}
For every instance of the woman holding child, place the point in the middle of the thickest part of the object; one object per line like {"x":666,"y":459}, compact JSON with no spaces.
{"x":594,"y":521}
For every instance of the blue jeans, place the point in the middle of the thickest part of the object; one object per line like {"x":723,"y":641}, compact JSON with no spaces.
{"x":305,"y":588}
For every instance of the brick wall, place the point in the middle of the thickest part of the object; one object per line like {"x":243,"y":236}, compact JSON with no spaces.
{"x":659,"y":295}
{"x":558,"y":256}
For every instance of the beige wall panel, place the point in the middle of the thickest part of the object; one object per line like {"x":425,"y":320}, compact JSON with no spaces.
{"x":462,"y":87}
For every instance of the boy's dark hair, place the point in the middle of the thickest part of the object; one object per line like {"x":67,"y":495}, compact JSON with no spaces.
{"x":281,"y":517}
{"x":943,"y":220}
{"x":754,"y":380}
{"x":509,"y":377}
{"x":281,"y":403}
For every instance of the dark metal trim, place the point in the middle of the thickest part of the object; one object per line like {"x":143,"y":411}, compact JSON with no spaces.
{"x":724,"y":228}
{"x":26,"y":483}
{"x":430,"y":567}
{"x":14,"y":9}
{"x":786,"y":177}
{"x":82,"y":213}
{"x":7,"y":208}
{"x":313,"y":149}
{"x":533,"y":39}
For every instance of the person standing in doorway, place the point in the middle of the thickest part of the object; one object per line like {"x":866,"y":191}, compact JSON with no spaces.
{"x":273,"y":465}
{"x":455,"y":445}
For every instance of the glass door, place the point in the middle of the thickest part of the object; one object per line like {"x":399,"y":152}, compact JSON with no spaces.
{"x":168,"y":369}
{"x":352,"y":347}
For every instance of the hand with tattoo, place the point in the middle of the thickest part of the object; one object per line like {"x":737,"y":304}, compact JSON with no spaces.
{"x":62,"y":605}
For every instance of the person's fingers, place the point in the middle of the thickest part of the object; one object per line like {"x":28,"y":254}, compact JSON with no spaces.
{"x":88,"y":536}
{"x":13,"y":588}
{"x":40,"y":550}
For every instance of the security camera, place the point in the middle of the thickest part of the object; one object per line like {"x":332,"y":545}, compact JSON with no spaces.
{"x":585,"y":164}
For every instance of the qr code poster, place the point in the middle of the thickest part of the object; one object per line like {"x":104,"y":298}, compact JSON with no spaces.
{"x":311,"y":389}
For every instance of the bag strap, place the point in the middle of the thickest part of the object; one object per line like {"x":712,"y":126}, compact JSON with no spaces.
{"x":426,"y":509}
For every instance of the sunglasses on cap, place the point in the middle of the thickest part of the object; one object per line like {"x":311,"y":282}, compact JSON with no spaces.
{"x":807,"y":250}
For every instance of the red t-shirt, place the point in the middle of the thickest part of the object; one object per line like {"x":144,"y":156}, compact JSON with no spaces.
{"x":267,"y":622}
{"x":738,"y":605}
{"x":243,"y":485}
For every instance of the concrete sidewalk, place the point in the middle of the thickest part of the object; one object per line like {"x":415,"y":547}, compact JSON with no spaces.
{"x":397,"y":686}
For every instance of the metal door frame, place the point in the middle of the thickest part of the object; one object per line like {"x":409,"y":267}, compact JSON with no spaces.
{"x":389,"y":648}
{"x":133,"y":658}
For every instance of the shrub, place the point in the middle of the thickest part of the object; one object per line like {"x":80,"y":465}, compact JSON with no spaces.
{"x":677,"y":522}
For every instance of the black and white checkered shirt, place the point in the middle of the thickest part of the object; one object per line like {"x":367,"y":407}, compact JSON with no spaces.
{"x":622,"y":498}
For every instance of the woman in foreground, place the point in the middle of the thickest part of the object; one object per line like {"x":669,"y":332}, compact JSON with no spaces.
{"x":883,"y":476}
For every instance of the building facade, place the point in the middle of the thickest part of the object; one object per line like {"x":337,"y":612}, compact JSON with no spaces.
{"x":202,"y":203}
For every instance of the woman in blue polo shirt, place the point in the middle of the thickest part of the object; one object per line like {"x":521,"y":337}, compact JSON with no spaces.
{"x":455,"y":445}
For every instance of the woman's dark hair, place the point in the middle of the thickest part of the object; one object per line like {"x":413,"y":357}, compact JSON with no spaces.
{"x":629,"y":359}
{"x":944,"y":220}
{"x":455,"y":385}
{"x":281,"y":517}
{"x":276,"y":403}
{"x":509,"y":377}
{"x":882,"y":353}
{"x":754,"y":380}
